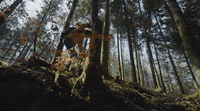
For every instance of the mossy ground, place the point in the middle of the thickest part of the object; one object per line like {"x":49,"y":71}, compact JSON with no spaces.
{"x":26,"y":89}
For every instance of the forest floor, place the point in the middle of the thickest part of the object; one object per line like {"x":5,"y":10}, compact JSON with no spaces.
{"x":35,"y":89}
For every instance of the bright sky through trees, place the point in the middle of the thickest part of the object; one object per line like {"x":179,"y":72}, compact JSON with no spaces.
{"x":33,"y":6}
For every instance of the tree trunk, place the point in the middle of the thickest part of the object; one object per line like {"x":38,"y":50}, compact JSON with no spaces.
{"x":149,"y":52}
{"x":37,"y":31}
{"x":135,"y":44}
{"x":190,"y":43}
{"x":59,"y":49}
{"x":151,"y":60}
{"x":119,"y":59}
{"x":44,"y":49}
{"x":161,"y":76}
{"x":170,"y":82}
{"x":122,"y":60}
{"x":6,"y":44}
{"x":170,"y":57}
{"x":91,"y":78}
{"x":190,"y":68}
{"x":141,"y":71}
{"x":156,"y":73}
{"x":119,"y":62}
{"x":136,"y":54}
{"x":25,"y":46}
{"x":134,"y":36}
{"x":14,"y":54}
{"x":167,"y":71}
{"x":185,"y":55}
{"x":49,"y":48}
{"x":4,"y":16}
{"x":25,"y":52}
{"x":130,"y":46}
{"x":105,"y":43}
